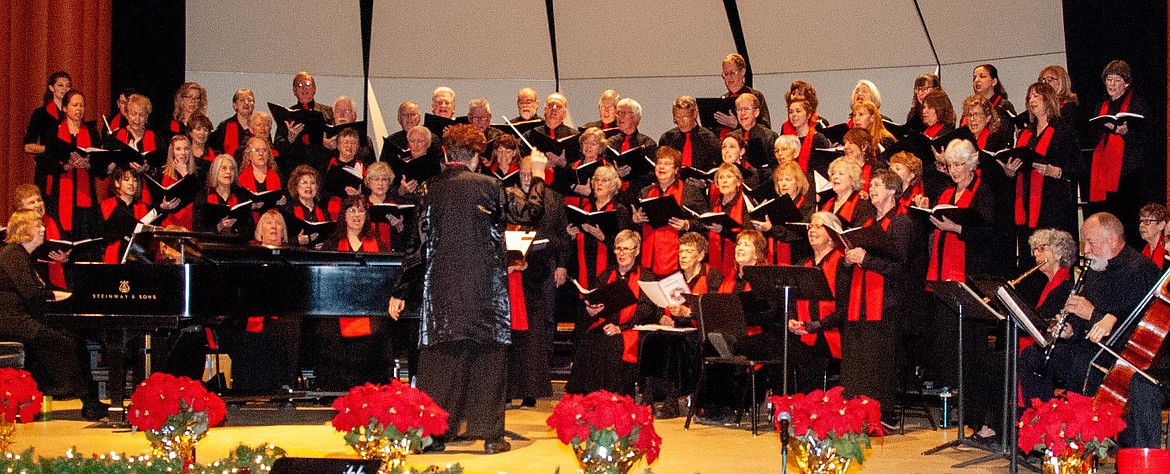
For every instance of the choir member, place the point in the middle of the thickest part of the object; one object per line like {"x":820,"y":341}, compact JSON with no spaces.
{"x":304,"y":193}
{"x":1045,"y":194}
{"x":733,"y":149}
{"x":985,"y":83}
{"x":233,"y":131}
{"x":395,"y":143}
{"x":265,"y":351}
{"x":668,"y":360}
{"x":803,"y":91}
{"x":179,"y":165}
{"x":984,"y":125}
{"x":190,"y":99}
{"x":479,"y":115}
{"x":119,"y":118}
{"x":859,"y":149}
{"x":258,"y":172}
{"x":593,"y":143}
{"x":1122,"y":174}
{"x":866,"y":91}
{"x":526,"y":105}
{"x":305,"y":90}
{"x":733,"y":202}
{"x":28,"y":197}
{"x":923,"y":84}
{"x":122,"y":212}
{"x":867,"y":117}
{"x":909,"y":170}
{"x":346,"y":161}
{"x":42,"y":127}
{"x":937,"y":114}
{"x":389,"y":233}
{"x":345,"y":111}
{"x":533,"y":325}
{"x":502,"y":157}
{"x":443,"y":102}
{"x":786,"y":148}
{"x":420,"y":146}
{"x":593,"y":255}
{"x":698,"y":145}
{"x":1058,"y":251}
{"x":785,"y":245}
{"x":135,"y":134}
{"x":606,"y":111}
{"x":1152,"y":220}
{"x":629,"y":115}
{"x":760,"y":138}
{"x":660,"y":245}
{"x":606,"y":355}
{"x":556,"y":108}
{"x":916,"y":317}
{"x":72,"y":196}
{"x":846,"y":202}
{"x":58,"y":361}
{"x":223,"y":189}
{"x":734,"y":72}
{"x":1057,"y":77}
{"x":801,"y":116}
{"x":199,"y":131}
{"x":350,"y":351}
{"x":817,"y":323}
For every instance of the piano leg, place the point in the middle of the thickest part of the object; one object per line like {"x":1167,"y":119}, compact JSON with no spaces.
{"x":116,"y":341}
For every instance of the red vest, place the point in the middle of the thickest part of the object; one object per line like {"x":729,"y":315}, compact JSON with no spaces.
{"x":824,"y":308}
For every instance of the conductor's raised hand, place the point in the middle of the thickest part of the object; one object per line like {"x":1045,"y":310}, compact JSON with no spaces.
{"x":539,"y":164}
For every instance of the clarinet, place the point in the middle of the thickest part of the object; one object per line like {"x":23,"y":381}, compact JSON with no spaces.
{"x":1062,"y":316}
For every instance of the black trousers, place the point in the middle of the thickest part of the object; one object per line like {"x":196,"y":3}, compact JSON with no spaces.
{"x":469,"y":380}
{"x":1143,"y":419}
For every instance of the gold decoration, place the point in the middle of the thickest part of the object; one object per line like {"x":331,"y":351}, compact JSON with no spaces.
{"x":812,"y":455}
{"x":169,"y":444}
{"x":1073,"y":461}
{"x":7,"y":432}
{"x":392,"y":452}
{"x":603,"y":459}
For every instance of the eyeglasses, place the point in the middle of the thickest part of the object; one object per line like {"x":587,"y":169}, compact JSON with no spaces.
{"x":356,"y":210}
{"x":303,"y":84}
{"x":1049,"y":80}
{"x":923,"y":88}
{"x":744,"y":109}
{"x":553,"y":105}
{"x":625,"y":113}
{"x":1040,"y":248}
{"x":624,"y":249}
{"x":257,"y":150}
{"x":1149,"y":221}
{"x":191,"y":97}
{"x":307,"y":181}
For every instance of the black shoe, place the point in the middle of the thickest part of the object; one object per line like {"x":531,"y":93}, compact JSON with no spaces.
{"x":528,"y":402}
{"x":498,"y":445}
{"x":94,"y":411}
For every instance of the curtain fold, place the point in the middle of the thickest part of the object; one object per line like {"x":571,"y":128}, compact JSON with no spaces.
{"x":39,"y":38}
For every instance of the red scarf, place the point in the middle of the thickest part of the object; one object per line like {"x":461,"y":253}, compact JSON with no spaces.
{"x":208,"y":154}
{"x":806,"y":146}
{"x":981,"y":142}
{"x":52,"y":110}
{"x":846,"y":211}
{"x":1034,"y":193}
{"x":824,"y":308}
{"x":75,"y":183}
{"x":660,"y":246}
{"x":781,"y":251}
{"x":113,"y":252}
{"x":248,"y":180}
{"x":932,"y":131}
{"x":1107,"y":156}
{"x":148,"y":143}
{"x":721,"y":253}
{"x":907,"y":199}
{"x":356,"y":327}
{"x":602,"y":257}
{"x":868,"y":286}
{"x":516,"y":301}
{"x":117,"y":122}
{"x":698,"y":285}
{"x":56,"y":270}
{"x":231,"y":136}
{"x":949,"y":263}
{"x":1159,"y":252}
{"x":184,"y":217}
{"x":728,"y":288}
{"x":383,"y":229}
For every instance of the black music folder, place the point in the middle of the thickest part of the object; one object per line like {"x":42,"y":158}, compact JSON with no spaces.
{"x":835,"y":133}
{"x":382,"y":211}
{"x":660,"y":209}
{"x":604,"y":220}
{"x":556,"y":146}
{"x":437,"y":124}
{"x":959,"y":215}
{"x":316,"y":231}
{"x":267,"y":199}
{"x":42,"y":252}
{"x":1119,"y":118}
{"x":213,"y":213}
{"x":635,"y":158}
{"x":708,"y":106}
{"x":184,"y":189}
{"x":516,"y":129}
{"x":779,"y":210}
{"x":687,"y":172}
{"x":614,"y":296}
{"x":1027,"y":155}
{"x":583,"y":172}
{"x":725,"y":221}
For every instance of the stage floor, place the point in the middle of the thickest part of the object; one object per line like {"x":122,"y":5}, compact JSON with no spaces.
{"x":305,"y":432}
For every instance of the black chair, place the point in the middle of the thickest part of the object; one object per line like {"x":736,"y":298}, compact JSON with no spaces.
{"x":722,"y":323}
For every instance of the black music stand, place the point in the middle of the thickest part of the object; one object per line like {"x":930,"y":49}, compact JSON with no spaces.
{"x":966,"y":303}
{"x":1022,"y":316}
{"x":790,"y":283}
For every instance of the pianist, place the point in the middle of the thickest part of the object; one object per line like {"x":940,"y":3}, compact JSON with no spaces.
{"x":58,"y":361}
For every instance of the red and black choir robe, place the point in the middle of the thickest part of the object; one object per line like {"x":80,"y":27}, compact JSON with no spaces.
{"x":248,"y":181}
{"x":120,"y":219}
{"x":594,"y":256}
{"x":72,"y":194}
{"x":356,"y":327}
{"x":1116,"y":156}
{"x":826,"y":311}
{"x":1042,"y":201}
{"x":954,"y":256}
{"x":853,"y":211}
{"x":183,"y":216}
{"x":721,"y":246}
{"x":660,"y":245}
{"x":1158,"y":253}
{"x":229,"y":135}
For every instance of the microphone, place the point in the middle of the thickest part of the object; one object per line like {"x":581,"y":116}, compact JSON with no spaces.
{"x":785,"y":420}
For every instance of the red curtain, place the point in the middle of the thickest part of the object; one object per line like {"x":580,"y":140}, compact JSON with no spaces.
{"x":39,"y":38}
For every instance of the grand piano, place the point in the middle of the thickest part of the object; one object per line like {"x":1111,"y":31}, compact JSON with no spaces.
{"x":212,"y":280}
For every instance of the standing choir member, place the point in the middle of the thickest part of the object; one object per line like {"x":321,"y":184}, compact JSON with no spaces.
{"x":800,"y":90}
{"x":1057,"y":77}
{"x":629,"y":115}
{"x":190,"y":99}
{"x":660,"y":245}
{"x":800,"y":119}
{"x":42,"y":127}
{"x":71,"y":192}
{"x":199,"y":131}
{"x":304,"y":191}
{"x":923,"y":84}
{"x":390,"y":233}
{"x":985,"y":83}
{"x":733,"y":202}
{"x":180,"y":165}
{"x":760,"y":139}
{"x":817,"y":322}
{"x":1121,"y":176}
{"x":785,"y":245}
{"x":699,"y":147}
{"x":395,"y":143}
{"x":734,"y":72}
{"x":593,"y":143}
{"x":593,"y":244}
{"x":223,"y":190}
{"x":606,"y":111}
{"x":479,"y":114}
{"x":533,"y":324}
{"x":556,"y":108}
{"x":460,"y":282}
{"x":233,"y":131}
{"x":606,"y":355}
{"x":867,"y":117}
{"x":846,"y":203}
{"x":258,"y":171}
{"x":122,"y":212}
{"x":345,"y":111}
{"x":938,"y":114}
{"x":28,"y":197}
{"x":526,"y":105}
{"x":346,"y":162}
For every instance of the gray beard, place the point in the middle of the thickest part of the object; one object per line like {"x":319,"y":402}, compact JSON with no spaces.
{"x":1098,"y":264}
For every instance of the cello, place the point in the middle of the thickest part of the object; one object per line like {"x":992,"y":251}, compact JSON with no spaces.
{"x":1150,"y":323}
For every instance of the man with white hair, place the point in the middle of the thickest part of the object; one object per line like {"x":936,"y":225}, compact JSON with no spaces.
{"x":526,"y":105}
{"x":556,"y":108}
{"x":629,"y":115}
{"x":443,"y":102}
{"x":479,"y":114}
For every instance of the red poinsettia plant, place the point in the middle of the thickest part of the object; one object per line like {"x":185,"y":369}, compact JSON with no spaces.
{"x":606,"y":419}
{"x":1070,"y":422}
{"x":393,"y":411}
{"x":827,"y":416}
{"x":164,"y":405}
{"x":19,"y":396}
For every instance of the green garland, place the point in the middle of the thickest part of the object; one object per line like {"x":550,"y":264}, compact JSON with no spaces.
{"x":257,"y":459}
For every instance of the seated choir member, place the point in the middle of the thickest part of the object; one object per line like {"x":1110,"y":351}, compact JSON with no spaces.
{"x":390,"y":233}
{"x":760,"y":139}
{"x":350,"y":351}
{"x":660,"y":245}
{"x":956,"y":251}
{"x":817,"y":323}
{"x":233,"y":131}
{"x":1152,"y":220}
{"x":699,"y":146}
{"x":303,"y":189}
{"x":265,"y":351}
{"x":923,"y":84}
{"x":58,"y":360}
{"x":190,"y":99}
{"x":43,"y":124}
{"x":222,"y":190}
{"x":786,"y":246}
{"x":199,"y":131}
{"x":593,"y":244}
{"x":1114,"y":285}
{"x":606,"y":111}
{"x":629,"y":115}
{"x":346,"y":162}
{"x":734,"y":72}
{"x":606,"y":355}
{"x":122,"y":212}
{"x":846,"y":202}
{"x":668,"y":360}
{"x":72,"y":195}
{"x":801,"y":115}
{"x":577,"y":187}
{"x":732,"y":201}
